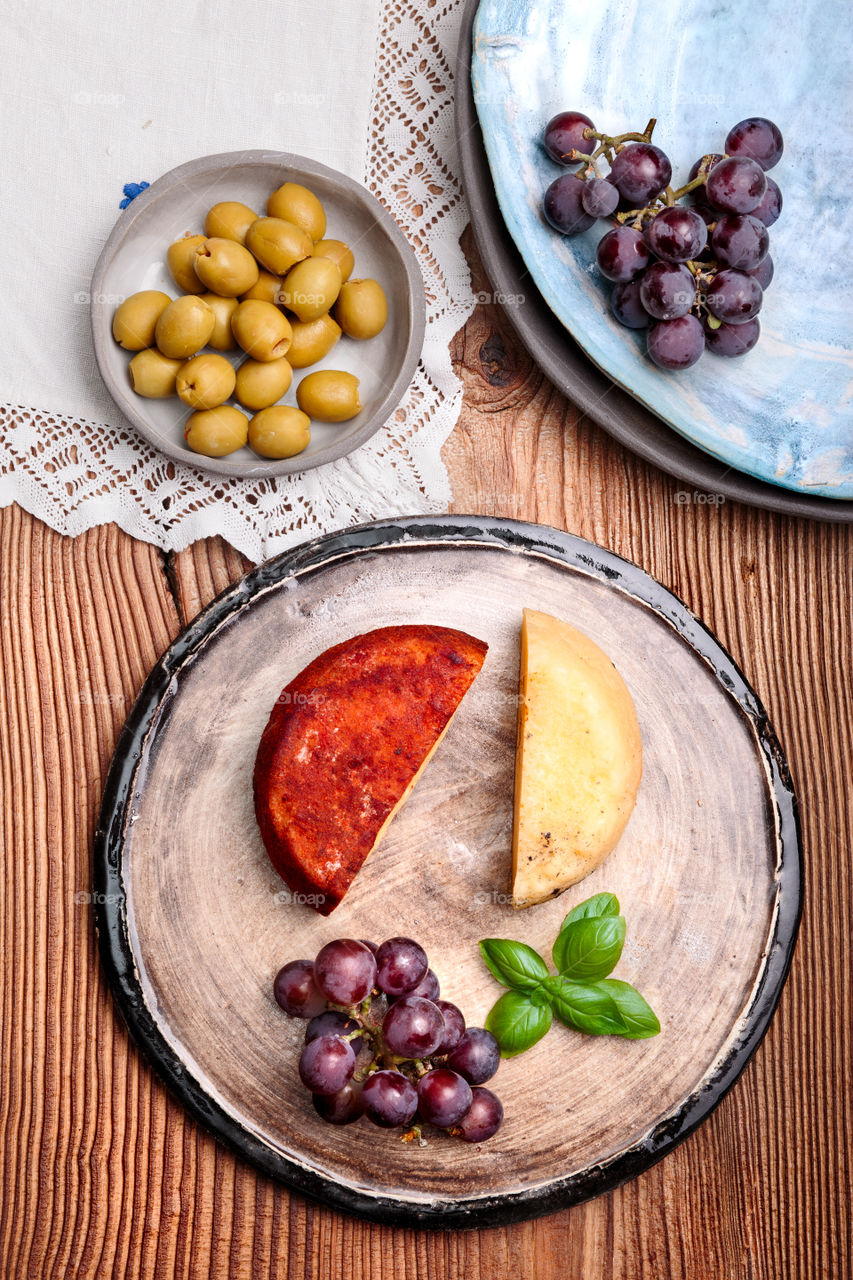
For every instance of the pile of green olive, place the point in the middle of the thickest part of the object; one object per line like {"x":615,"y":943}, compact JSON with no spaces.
{"x":273,"y":289}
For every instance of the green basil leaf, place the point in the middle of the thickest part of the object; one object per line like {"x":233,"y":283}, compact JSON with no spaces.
{"x":514,"y":964}
{"x":588,"y":1009}
{"x":600,"y":904}
{"x":516,"y":1023}
{"x":588,"y":949}
{"x":640,"y":1019}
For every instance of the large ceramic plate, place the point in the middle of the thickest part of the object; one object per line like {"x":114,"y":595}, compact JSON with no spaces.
{"x":781,"y":413}
{"x":563,"y":360}
{"x":194,"y":922}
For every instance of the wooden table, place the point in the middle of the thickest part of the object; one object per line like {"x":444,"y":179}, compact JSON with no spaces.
{"x":103,"y":1175}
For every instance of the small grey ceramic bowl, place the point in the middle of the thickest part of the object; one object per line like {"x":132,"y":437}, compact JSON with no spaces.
{"x":134,"y":258}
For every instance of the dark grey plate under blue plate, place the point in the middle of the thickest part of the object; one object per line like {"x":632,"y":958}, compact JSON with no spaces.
{"x":567,"y":365}
{"x":193,"y":921}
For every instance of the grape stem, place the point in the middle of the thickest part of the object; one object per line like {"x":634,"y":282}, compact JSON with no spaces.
{"x":608,"y":144}
{"x":619,"y":140}
{"x":698,"y":181}
{"x":664,"y":201}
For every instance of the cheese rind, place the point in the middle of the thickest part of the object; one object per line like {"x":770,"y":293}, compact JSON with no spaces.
{"x":345,"y":744}
{"x":578,"y":759}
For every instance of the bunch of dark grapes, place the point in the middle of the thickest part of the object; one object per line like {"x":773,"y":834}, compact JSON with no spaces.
{"x":381,"y":1043}
{"x":693,"y":274}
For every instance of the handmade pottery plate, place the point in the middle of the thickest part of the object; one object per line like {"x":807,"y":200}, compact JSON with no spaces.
{"x":134,"y":258}
{"x":194,"y":922}
{"x":563,"y":360}
{"x":781,"y":413}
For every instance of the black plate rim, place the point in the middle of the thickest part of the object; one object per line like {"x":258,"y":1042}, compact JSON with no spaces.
{"x":557,"y":354}
{"x":110,"y":904}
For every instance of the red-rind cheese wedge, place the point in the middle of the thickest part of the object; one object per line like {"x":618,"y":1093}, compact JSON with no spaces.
{"x":346,"y":742}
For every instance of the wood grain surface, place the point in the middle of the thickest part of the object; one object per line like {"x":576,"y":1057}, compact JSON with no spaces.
{"x":102,"y":1175}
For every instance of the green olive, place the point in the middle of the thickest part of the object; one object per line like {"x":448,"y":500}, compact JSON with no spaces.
{"x":329,"y":395}
{"x":215,"y":432}
{"x":229,"y":220}
{"x":311,"y":287}
{"x":312,"y":339}
{"x":280,"y":432}
{"x":180,"y":259}
{"x":262,"y":383}
{"x":339,"y":252}
{"x":268,"y":288}
{"x":184,"y":327}
{"x":300,"y":206}
{"x":225,"y":267}
{"x":153,"y":375}
{"x":361,"y":309}
{"x":222,"y":339}
{"x":135,"y":320}
{"x":206,"y":381}
{"x":262,"y":330}
{"x":278,"y":245}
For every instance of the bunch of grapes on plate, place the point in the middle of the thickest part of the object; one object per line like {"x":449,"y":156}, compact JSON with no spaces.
{"x":691,"y":265}
{"x":381,"y":1043}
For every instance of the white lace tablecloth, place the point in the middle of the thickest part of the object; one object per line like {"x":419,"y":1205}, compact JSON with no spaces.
{"x":378,"y":104}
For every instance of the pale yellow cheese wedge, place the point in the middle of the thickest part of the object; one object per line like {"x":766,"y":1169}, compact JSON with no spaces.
{"x":579,"y":759}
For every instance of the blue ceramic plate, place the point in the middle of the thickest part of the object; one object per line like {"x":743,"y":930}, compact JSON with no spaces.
{"x":784,"y":412}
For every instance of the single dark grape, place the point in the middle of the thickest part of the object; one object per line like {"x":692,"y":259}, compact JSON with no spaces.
{"x":563,"y":205}
{"x":677,"y":234}
{"x":599,"y":197}
{"x":371,"y":946}
{"x":734,"y":297}
{"x":443,"y":1097}
{"x":740,"y":241}
{"x":676,"y":344}
{"x":627,"y":306}
{"x":483,"y":1118}
{"x":763,"y":273}
{"x":400,"y":965}
{"x":413,"y":1027}
{"x":326,"y":1064}
{"x":698,"y":196}
{"x":296,"y":991}
{"x":640,"y":171}
{"x":345,"y":971}
{"x":454,"y":1026}
{"x":701,"y":206}
{"x":705,"y":164}
{"x":624,"y":206}
{"x":389,"y":1099}
{"x":732,"y":339}
{"x":667,"y":291}
{"x":771,"y":206}
{"x":428,"y":987}
{"x":564,"y":134}
{"x":758,"y":139}
{"x":476,"y":1057}
{"x":622,"y":254}
{"x":735,"y":185}
{"x":342,"y":1107}
{"x":333,"y":1023}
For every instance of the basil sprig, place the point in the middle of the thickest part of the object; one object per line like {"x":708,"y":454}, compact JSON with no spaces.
{"x":581,"y":995}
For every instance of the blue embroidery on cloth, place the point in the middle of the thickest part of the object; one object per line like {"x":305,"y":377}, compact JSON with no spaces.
{"x":131,"y":191}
